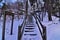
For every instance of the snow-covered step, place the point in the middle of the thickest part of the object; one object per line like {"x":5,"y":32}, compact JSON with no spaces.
{"x":28,"y":23}
{"x":30,"y":26}
{"x":31,"y":34}
{"x":29,"y":31}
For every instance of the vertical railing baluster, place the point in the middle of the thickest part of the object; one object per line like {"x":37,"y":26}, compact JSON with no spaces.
{"x":19,"y":32}
{"x":12,"y":24}
{"x":3,"y":28}
{"x":44,"y":33}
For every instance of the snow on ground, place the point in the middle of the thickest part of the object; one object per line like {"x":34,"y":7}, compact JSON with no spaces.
{"x":1,"y":23}
{"x":53,"y":28}
{"x":0,"y":30}
{"x":8,"y":28}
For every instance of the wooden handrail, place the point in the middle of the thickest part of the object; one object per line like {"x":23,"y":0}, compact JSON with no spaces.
{"x":43,"y":31}
{"x":38,"y":24}
{"x":21,"y":29}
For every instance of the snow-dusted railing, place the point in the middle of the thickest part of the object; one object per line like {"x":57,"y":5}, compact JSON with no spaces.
{"x":41,"y":27}
{"x":4,"y":21}
{"x":21,"y":29}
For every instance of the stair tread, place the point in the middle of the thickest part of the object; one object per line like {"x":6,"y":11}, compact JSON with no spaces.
{"x":30,"y":24}
{"x":29,"y":28}
{"x":31,"y":34}
{"x":29,"y":31}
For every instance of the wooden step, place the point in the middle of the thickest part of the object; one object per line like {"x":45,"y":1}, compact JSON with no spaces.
{"x":29,"y":23}
{"x":28,"y":31}
{"x":29,"y":28}
{"x":31,"y":34}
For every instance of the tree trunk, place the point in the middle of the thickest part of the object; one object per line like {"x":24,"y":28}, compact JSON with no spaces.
{"x":59,"y":13}
{"x":49,"y":11}
{"x":49,"y":15}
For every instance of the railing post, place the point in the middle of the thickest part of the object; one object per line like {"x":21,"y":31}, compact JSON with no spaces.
{"x":26,"y":8}
{"x":3,"y":28}
{"x":44,"y":33}
{"x":12,"y":24}
{"x":19,"y":32}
